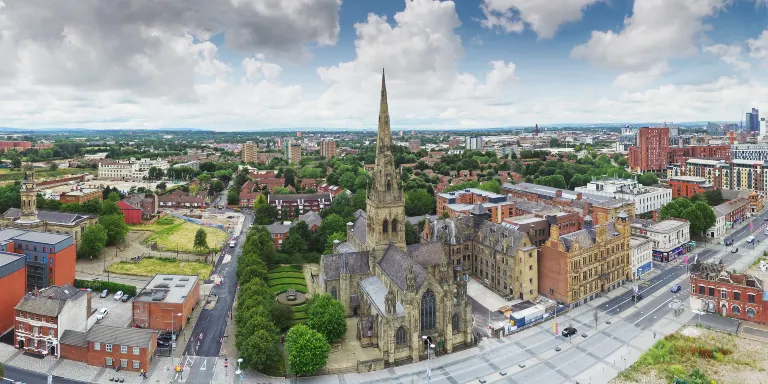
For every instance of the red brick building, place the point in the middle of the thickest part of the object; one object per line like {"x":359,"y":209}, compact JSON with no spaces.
{"x":13,"y":279}
{"x":81,"y":196}
{"x":19,"y":146}
{"x":50,"y":257}
{"x":138,"y":207}
{"x":652,"y":151}
{"x":279,"y":232}
{"x":679,"y":155}
{"x":131,"y":349}
{"x":332,"y":189}
{"x":687,"y":186}
{"x":182,"y":200}
{"x":159,"y":304}
{"x":131,"y":214}
{"x":736,"y":295}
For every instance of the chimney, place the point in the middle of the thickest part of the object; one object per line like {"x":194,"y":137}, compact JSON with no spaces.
{"x":427,"y":233}
{"x":656,"y":215}
{"x":350,"y":229}
{"x":336,"y":246}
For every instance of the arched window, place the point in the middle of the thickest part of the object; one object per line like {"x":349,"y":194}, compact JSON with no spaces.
{"x":735,"y":310}
{"x":385,"y":226}
{"x":389,"y":185}
{"x":428,"y":312}
{"x":394,"y":225}
{"x":334,"y":293}
{"x":750,"y":312}
{"x":401,"y":337}
{"x":455,"y":323}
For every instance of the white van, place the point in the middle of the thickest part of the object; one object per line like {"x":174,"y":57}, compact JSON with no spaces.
{"x":750,"y":239}
{"x":232,"y":244}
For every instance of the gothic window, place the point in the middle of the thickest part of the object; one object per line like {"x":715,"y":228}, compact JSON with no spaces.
{"x":389,"y":185}
{"x":401,"y":336}
{"x":428,"y":313}
{"x":455,"y":323}
{"x":385,"y":226}
{"x":334,"y":293}
{"x":394,"y":225}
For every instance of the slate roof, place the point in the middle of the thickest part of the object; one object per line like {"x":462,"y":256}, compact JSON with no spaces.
{"x":346,"y":247}
{"x":355,"y":263}
{"x":131,"y":337}
{"x":494,"y":235}
{"x":312,"y":218}
{"x":586,"y":237}
{"x":395,"y":264}
{"x":359,"y":213}
{"x":74,"y":338}
{"x":417,"y":219}
{"x":376,"y":292}
{"x":53,"y":217}
{"x":278,"y":228}
{"x":50,"y":301}
{"x":427,"y":254}
{"x":456,"y":230}
{"x":358,"y":229}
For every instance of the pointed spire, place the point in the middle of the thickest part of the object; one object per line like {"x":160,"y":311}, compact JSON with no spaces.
{"x":384,"y":139}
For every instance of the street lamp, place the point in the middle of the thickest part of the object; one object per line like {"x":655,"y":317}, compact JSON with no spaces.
{"x":174,"y":335}
{"x":429,"y":370}
{"x":239,"y":372}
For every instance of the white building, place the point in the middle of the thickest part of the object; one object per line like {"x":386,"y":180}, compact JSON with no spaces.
{"x":129,"y":169}
{"x":640,"y":255}
{"x":475,"y":143}
{"x":646,"y":199}
{"x":671,"y":238}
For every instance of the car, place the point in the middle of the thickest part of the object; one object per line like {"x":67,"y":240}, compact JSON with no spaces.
{"x":232,"y":244}
{"x":165,"y":337}
{"x":104,"y":293}
{"x":735,"y":250}
{"x":118,"y":295}
{"x":163,"y":343}
{"x":637,"y":296}
{"x":569,"y":331}
{"x":750,"y":239}
{"x":126,"y":298}
{"x":102,"y":313}
{"x":765,"y":218}
{"x":676,"y":288}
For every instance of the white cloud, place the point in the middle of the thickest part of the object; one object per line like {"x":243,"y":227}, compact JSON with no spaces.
{"x":637,"y":79}
{"x":758,"y":48}
{"x":257,"y":68}
{"x":543,"y":16}
{"x":658,"y":30}
{"x":730,"y":54}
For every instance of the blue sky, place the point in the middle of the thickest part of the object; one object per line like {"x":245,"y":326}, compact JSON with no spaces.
{"x":271,"y":64}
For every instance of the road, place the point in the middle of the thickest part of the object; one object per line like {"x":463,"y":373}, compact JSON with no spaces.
{"x":200,"y":360}
{"x":13,"y":374}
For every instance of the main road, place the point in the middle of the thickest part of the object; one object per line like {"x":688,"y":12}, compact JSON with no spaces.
{"x":16,"y":375}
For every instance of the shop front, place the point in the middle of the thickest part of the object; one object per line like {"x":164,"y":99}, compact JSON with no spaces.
{"x":665,"y":257}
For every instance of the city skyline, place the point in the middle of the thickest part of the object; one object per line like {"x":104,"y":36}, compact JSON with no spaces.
{"x":223,"y":65}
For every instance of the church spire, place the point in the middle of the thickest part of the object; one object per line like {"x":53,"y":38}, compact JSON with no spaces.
{"x":384,"y":139}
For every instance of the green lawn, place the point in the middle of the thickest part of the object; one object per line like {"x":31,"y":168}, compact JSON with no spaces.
{"x":287,"y":281}
{"x":285,"y":275}
{"x":150,"y":267}
{"x":170,"y":233}
{"x":286,"y":268}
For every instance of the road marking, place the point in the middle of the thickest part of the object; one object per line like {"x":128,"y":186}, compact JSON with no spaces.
{"x":653,"y":310}
{"x":202,"y":367}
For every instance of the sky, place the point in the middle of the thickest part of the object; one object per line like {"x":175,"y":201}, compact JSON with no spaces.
{"x":301,"y":64}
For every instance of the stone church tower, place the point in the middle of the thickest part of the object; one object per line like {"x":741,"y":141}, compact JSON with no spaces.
{"x":385,"y":204}
{"x":28,"y":197}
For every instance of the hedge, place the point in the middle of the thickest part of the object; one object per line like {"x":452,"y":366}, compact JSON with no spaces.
{"x":286,"y":280}
{"x":286,"y":268}
{"x":99,"y":285}
{"x":283,"y":275}
{"x":284,"y":287}
{"x":299,"y":315}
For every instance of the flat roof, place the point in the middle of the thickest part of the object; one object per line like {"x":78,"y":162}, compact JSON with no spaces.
{"x":42,"y":237}
{"x":10,"y":233}
{"x":667,"y":225}
{"x":9,"y":257}
{"x":168,"y":289}
{"x":689,"y":178}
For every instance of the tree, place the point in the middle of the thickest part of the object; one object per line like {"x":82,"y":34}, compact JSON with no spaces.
{"x":307,"y":350}
{"x":260,"y":350}
{"x":419,"y":202}
{"x":53,"y":166}
{"x":263,"y":212}
{"x":16,"y":162}
{"x":116,"y":228}
{"x":301,"y":229}
{"x":93,"y":240}
{"x":10,"y":196}
{"x":411,"y":234}
{"x":92,"y":206}
{"x":648,"y":178}
{"x":204,"y":178}
{"x":714,"y":197}
{"x":155,"y":173}
{"x":699,"y":214}
{"x":217,"y":186}
{"x":201,"y":239}
{"x":113,"y":196}
{"x":282,"y":315}
{"x":491,"y":186}
{"x":327,"y":316}
{"x":294,"y":244}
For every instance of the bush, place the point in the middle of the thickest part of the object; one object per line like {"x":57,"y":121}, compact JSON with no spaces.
{"x":286,"y":280}
{"x":98,"y":286}
{"x":307,"y":350}
{"x":165,"y":221}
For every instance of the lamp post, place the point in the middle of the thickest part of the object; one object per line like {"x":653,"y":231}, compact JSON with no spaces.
{"x":429,"y":370}
{"x":239,"y":372}
{"x":174,"y":335}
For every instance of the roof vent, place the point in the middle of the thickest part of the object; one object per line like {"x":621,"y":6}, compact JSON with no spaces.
{"x":184,"y":279}
{"x":168,"y":278}
{"x":179,"y":285}
{"x":162,"y":286}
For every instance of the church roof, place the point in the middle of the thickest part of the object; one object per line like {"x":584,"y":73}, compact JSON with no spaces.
{"x":359,"y":213}
{"x":376,"y":292}
{"x":52,"y":217}
{"x":394,"y":263}
{"x":427,"y":254}
{"x":478,"y":209}
{"x":358,"y":230}
{"x":355,"y":263}
{"x":456,"y":230}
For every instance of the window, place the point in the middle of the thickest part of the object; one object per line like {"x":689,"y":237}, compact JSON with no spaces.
{"x":124,"y":363}
{"x":737,"y":296}
{"x":389,"y":185}
{"x":750,"y":312}
{"x":96,"y":346}
{"x":136,"y":364}
{"x":333,"y":293}
{"x":736,"y":310}
{"x":711,"y":291}
{"x":108,"y":347}
{"x":385,"y":227}
{"x":394,"y":225}
{"x":455,"y":323}
{"x":401,"y":336}
{"x":109,"y":361}
{"x":123,"y":349}
{"x":428,"y":318}
{"x":723,"y":294}
{"x":37,"y":318}
{"x":21,"y":327}
{"x":50,"y":332}
{"x":701,"y":290}
{"x":751,"y":298}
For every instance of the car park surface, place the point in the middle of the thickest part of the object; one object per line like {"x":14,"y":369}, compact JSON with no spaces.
{"x":120,"y":313}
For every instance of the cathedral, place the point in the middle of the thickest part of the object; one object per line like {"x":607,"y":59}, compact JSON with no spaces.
{"x":400,"y":294}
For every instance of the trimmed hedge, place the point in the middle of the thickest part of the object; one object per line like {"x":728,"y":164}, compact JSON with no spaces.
{"x":282,"y":288}
{"x":99,"y":285}
{"x":299,"y":315}
{"x":286,"y":268}
{"x":285,"y":275}
{"x":294,"y":281}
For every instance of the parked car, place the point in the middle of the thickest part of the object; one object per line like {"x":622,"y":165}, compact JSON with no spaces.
{"x":101,"y":313}
{"x":165,"y":337}
{"x":104,"y":293}
{"x":637,"y":297}
{"x":569,"y":331}
{"x":119,"y":295}
{"x":735,"y":250}
{"x":676,"y":288}
{"x":232,"y":244}
{"x":126,"y":298}
{"x":163,"y":343}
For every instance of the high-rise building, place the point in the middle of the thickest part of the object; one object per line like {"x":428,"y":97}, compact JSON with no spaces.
{"x":292,"y":152}
{"x":328,"y":148}
{"x":249,"y":151}
{"x":475,"y":143}
{"x":298,"y":134}
{"x":752,"y":122}
{"x":652,"y":150}
{"x":453,"y":143}
{"x":715,"y":129}
{"x":414,"y":145}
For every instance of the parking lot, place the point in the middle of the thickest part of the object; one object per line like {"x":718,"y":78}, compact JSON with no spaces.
{"x":119,"y":313}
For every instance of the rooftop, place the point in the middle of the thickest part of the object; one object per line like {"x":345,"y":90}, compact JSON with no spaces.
{"x":42,"y":237}
{"x":131,"y":337}
{"x":690,"y":179}
{"x":9,"y":257}
{"x":168,"y":288}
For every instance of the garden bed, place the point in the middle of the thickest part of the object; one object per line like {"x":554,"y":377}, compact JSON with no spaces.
{"x":287,"y":281}
{"x":285,"y":275}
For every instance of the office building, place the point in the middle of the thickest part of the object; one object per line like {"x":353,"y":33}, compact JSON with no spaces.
{"x":646,"y":199}
{"x":752,"y":121}
{"x":50,"y":257}
{"x":249,"y":151}
{"x":749,"y":152}
{"x":475,"y":143}
{"x":687,"y":186}
{"x":13,"y":279}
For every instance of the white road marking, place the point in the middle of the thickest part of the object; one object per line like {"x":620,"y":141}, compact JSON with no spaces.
{"x":202,"y":367}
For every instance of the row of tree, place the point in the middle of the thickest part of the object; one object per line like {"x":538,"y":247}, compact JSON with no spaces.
{"x":110,"y":230}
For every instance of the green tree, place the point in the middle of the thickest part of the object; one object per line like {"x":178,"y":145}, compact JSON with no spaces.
{"x":419,"y":202}
{"x":332,"y":223}
{"x":282,"y":315}
{"x":327,"y":316}
{"x":53,"y":166}
{"x":491,"y":186}
{"x":217,"y":186}
{"x":648,"y":178}
{"x":340,"y":236}
{"x":155,"y":173}
{"x":201,"y":239}
{"x":113,"y":196}
{"x":204,"y":178}
{"x":294,"y":244}
{"x":411,"y":234}
{"x":93,"y":240}
{"x":116,"y":228}
{"x":10,"y":196}
{"x":307,"y":350}
{"x":92,"y":206}
{"x":263,"y":212}
{"x":260,"y":350}
{"x":714,"y":197}
{"x":108,"y":207}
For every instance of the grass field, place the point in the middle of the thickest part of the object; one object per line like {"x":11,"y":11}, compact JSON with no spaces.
{"x":150,"y":267}
{"x":179,"y":234}
{"x":7,"y":174}
{"x":289,"y":276}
